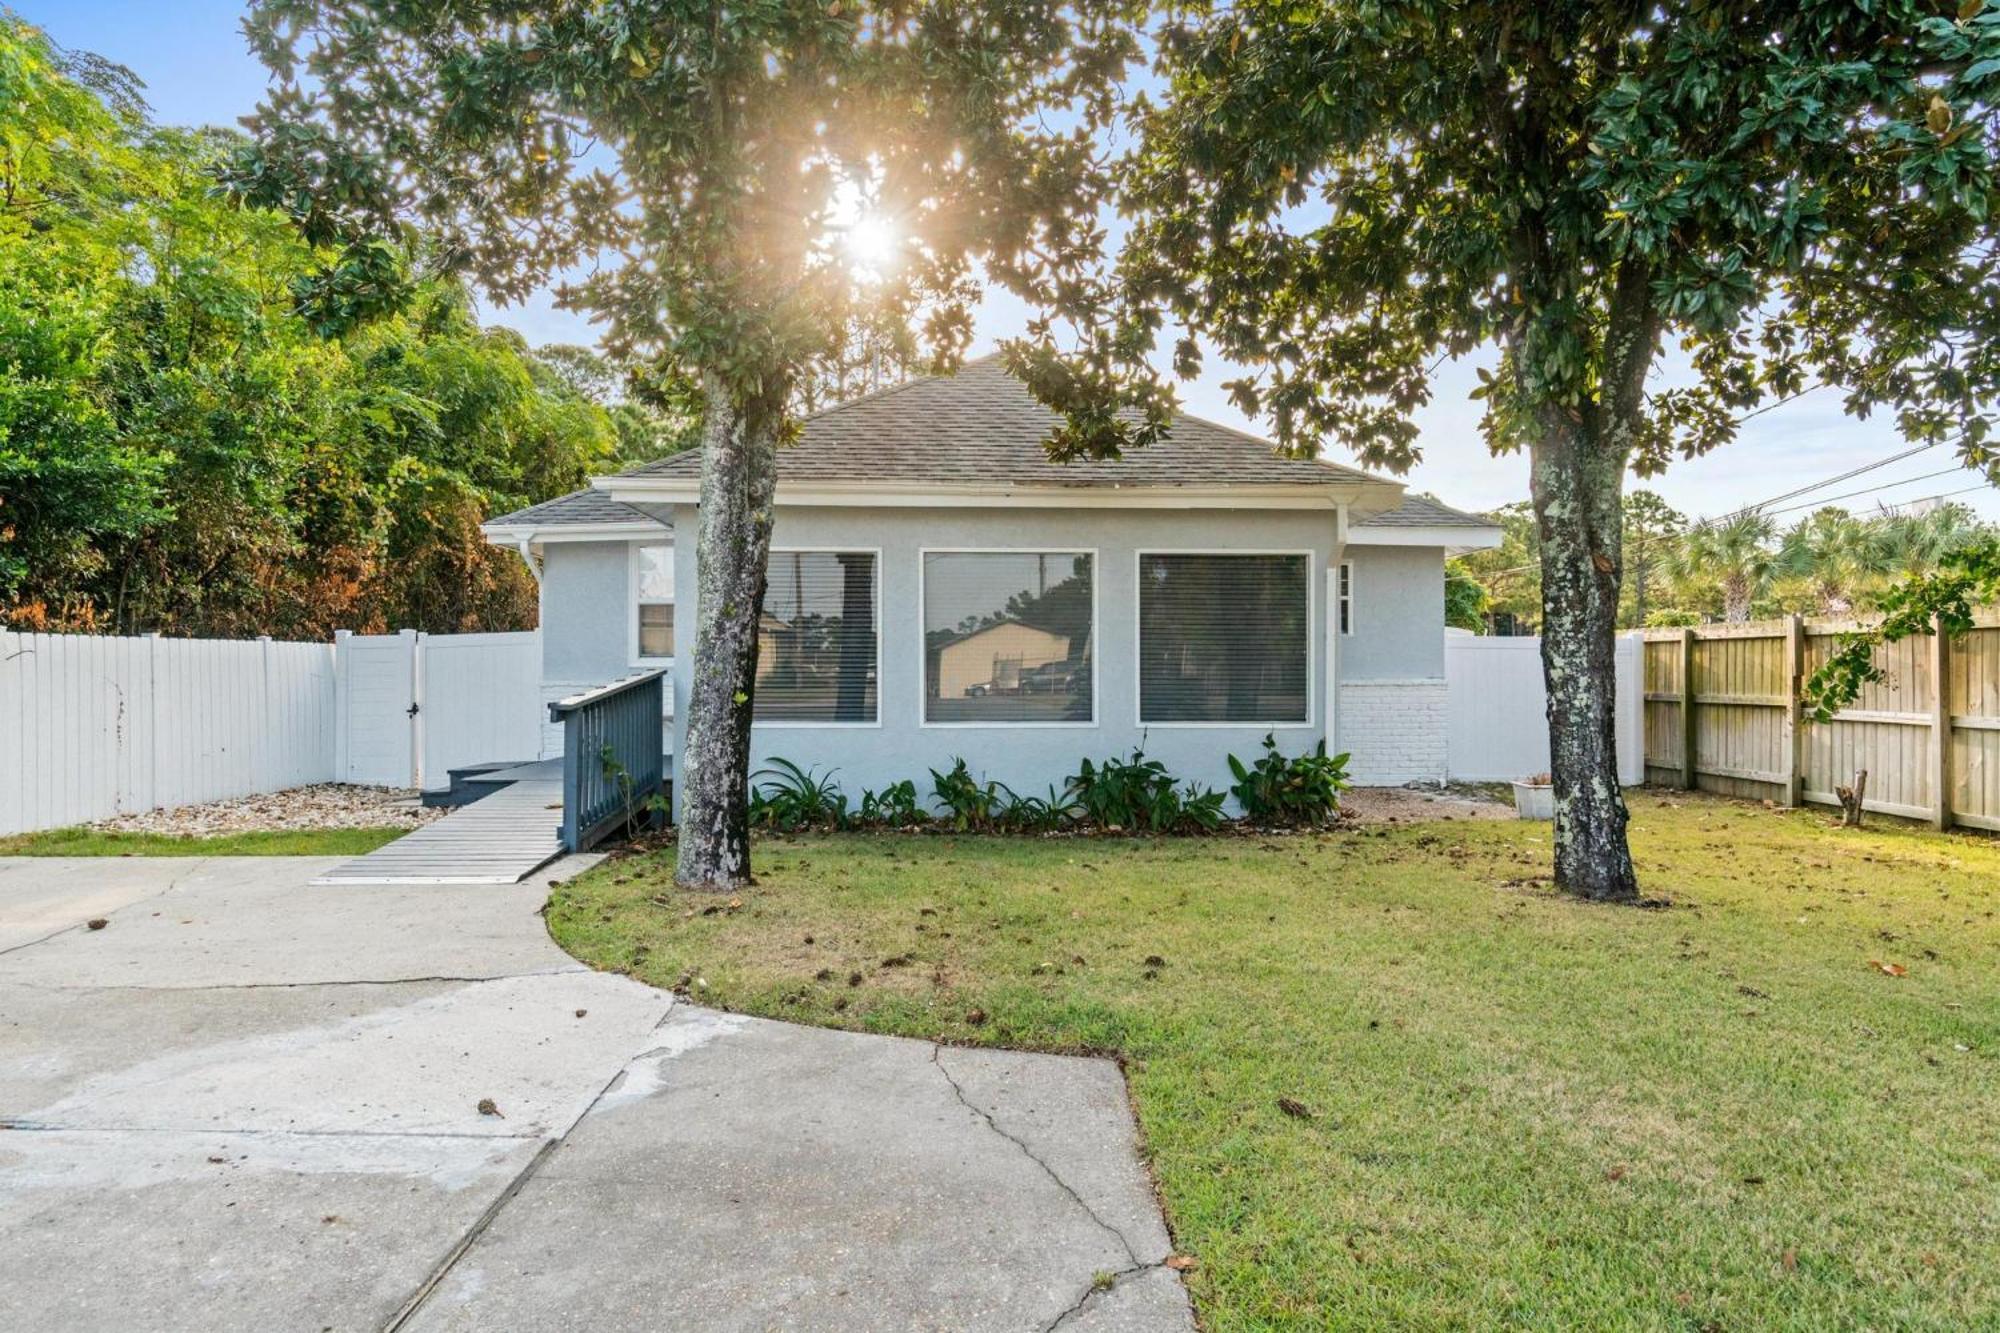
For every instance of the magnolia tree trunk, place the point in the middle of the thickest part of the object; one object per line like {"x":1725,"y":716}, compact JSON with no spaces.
{"x":1576,"y":494}
{"x":738,"y":477}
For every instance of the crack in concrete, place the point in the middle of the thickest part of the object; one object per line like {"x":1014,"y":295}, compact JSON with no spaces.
{"x":472,"y":1234}
{"x":1124,"y":1243}
{"x":45,"y":1127}
{"x":172,"y":884}
{"x":564,"y":970}
{"x":1096,"y":1289}
{"x":430,"y":1284}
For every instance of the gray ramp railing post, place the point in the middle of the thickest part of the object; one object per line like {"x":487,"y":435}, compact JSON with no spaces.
{"x":614,"y":756}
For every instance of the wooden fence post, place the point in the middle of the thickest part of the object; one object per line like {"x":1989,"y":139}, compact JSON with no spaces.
{"x":1795,"y":641}
{"x":1940,"y":755}
{"x":1687,"y":708}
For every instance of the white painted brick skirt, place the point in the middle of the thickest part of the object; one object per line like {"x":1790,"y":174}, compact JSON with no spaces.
{"x":1393,"y":730}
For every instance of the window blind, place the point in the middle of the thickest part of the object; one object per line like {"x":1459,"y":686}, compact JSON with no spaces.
{"x":1224,"y":638}
{"x":816,"y":638}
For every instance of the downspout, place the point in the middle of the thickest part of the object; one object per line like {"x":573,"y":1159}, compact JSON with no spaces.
{"x":1332,"y":581}
{"x":521,"y":547}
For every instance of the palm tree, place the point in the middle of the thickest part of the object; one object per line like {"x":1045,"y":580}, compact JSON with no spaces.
{"x":1732,"y":555}
{"x":1910,"y":544}
{"x":1835,"y":555}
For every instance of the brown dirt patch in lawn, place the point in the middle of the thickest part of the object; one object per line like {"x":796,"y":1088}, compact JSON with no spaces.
{"x":1413,"y":805}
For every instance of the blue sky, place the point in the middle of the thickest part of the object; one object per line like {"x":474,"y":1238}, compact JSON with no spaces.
{"x":192,"y":57}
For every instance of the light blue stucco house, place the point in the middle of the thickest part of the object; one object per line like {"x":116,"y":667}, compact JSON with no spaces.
{"x":938,"y":588}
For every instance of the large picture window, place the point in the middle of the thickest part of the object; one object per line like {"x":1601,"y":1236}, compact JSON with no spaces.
{"x":816,"y":641}
{"x":1007,"y":636}
{"x":1225,"y":638}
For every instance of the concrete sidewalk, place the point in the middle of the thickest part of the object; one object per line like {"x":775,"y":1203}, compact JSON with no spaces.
{"x":244,"y":1102}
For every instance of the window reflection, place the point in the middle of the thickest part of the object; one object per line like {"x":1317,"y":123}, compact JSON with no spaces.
{"x":1007,"y":636}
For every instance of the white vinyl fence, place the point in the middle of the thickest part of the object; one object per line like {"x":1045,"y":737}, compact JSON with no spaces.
{"x":1496,"y":718}
{"x":92,"y":727}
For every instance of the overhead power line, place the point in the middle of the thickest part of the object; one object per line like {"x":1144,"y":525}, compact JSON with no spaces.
{"x":1671,"y":538}
{"x":1835,"y":480}
{"x":1869,"y":490}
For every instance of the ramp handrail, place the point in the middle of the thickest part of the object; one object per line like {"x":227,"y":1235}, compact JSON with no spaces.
{"x":614,"y":756}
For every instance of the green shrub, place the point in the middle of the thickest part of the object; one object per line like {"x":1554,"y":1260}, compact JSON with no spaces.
{"x":969,"y":805}
{"x":1139,"y":793}
{"x":795,"y":798}
{"x":1304,"y":789}
{"x":1041,"y":814}
{"x":895,"y":806}
{"x":1200,"y":811}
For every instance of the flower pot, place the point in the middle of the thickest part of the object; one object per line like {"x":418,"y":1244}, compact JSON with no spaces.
{"x":1534,"y":800}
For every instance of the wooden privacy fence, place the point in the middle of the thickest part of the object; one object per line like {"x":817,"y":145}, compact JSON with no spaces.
{"x":1722,"y":715}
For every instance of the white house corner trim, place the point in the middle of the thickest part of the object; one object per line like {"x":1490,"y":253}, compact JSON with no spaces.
{"x":1394,"y":731}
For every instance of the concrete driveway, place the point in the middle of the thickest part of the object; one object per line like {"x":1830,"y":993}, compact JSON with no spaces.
{"x":244,"y":1102}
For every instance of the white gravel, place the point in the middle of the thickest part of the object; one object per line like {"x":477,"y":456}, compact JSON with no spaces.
{"x":324,"y":805}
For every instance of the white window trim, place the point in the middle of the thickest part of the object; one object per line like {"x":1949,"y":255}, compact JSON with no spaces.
{"x":632,"y":604}
{"x":1096,"y":638}
{"x":1344,"y":590}
{"x":1314,"y":613}
{"x":793,"y":724}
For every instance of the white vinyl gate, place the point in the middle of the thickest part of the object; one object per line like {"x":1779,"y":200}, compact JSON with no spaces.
{"x":378,"y":708}
{"x":414,"y":706}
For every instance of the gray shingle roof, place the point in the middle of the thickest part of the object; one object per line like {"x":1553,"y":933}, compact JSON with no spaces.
{"x":983,"y":426}
{"x":584,"y":506}
{"x":1420,"y":511}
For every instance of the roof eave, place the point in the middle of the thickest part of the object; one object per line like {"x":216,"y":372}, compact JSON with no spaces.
{"x":1453,"y":536}
{"x":513,"y":534}
{"x":1232,"y":495}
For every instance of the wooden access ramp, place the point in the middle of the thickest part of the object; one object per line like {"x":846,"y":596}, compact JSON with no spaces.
{"x":499,"y":839}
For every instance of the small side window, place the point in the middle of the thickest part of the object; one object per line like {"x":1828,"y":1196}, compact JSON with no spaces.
{"x":1347,"y":597}
{"x":653,"y":598}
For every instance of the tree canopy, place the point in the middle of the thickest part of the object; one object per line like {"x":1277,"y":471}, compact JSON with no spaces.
{"x":1339,"y":194}
{"x":181,"y":449}
{"x":692,"y":173}
{"x":748,"y":197}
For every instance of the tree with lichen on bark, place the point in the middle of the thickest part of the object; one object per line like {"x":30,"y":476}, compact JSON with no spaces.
{"x":1339,"y":194}
{"x":701,"y":165}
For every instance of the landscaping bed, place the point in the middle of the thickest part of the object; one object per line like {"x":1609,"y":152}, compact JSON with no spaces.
{"x":320,"y":805}
{"x":1386,"y":1077}
{"x":324,"y":819}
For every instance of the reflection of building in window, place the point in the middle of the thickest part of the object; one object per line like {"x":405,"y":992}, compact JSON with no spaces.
{"x":816,"y":638}
{"x":1003,"y":658}
{"x":1007,"y":636}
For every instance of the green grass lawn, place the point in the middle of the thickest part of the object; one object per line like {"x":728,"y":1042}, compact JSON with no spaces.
{"x":1523,"y":1111}
{"x":299,"y":842}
